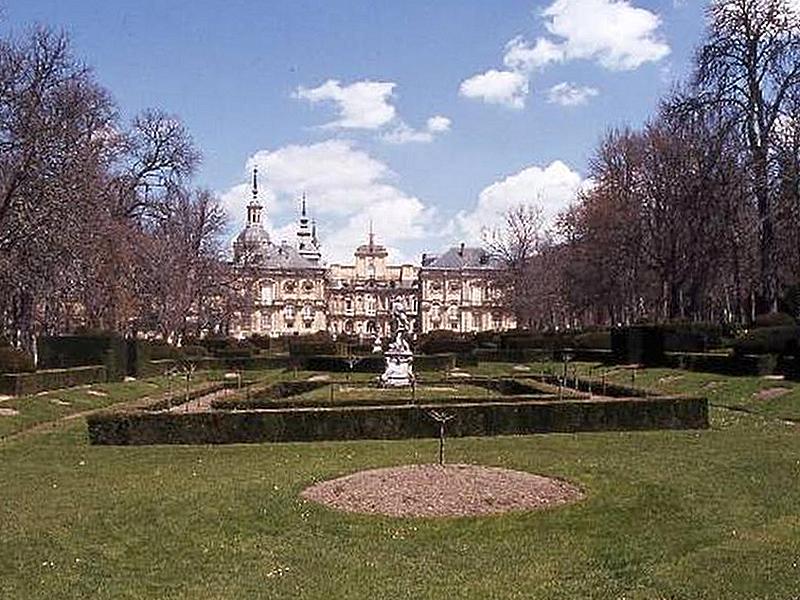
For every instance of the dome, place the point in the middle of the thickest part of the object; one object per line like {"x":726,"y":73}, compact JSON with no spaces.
{"x":252,"y":235}
{"x":250,"y":243}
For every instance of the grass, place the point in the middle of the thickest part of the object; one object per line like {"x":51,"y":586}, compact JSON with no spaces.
{"x":669,"y":514}
{"x":345,"y":392}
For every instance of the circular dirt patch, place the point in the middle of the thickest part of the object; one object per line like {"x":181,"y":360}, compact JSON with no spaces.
{"x":441,"y":491}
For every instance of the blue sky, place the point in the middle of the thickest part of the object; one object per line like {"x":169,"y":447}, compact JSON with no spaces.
{"x":412,"y":114}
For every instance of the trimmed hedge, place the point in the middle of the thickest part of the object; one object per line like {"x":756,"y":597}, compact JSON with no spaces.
{"x":640,"y":344}
{"x":374,"y":363}
{"x":441,"y":341}
{"x":395,"y":422}
{"x":63,"y":352}
{"x":755,"y":365}
{"x":13,"y":360}
{"x":780,"y":340}
{"x":775,"y":319}
{"x":22,"y":384}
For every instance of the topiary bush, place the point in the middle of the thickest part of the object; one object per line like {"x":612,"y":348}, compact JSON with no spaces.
{"x":13,"y":360}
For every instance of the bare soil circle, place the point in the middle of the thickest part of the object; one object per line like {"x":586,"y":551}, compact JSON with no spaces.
{"x":441,"y":491}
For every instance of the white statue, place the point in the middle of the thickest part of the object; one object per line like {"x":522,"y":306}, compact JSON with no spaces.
{"x":399,"y":358}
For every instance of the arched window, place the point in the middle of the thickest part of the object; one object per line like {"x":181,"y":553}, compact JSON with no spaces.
{"x":288,"y":313}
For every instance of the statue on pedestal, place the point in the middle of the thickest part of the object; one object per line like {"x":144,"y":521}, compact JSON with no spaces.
{"x":399,"y":358}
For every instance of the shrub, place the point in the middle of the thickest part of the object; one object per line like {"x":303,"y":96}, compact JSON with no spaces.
{"x":769,"y":340}
{"x":20,"y":384}
{"x":319,"y":343}
{"x":60,"y":352}
{"x":774,"y":319}
{"x":444,"y":341}
{"x":643,"y":344}
{"x":593,"y":339}
{"x":161,"y":350}
{"x":13,"y":360}
{"x":394,"y":422}
{"x":192,"y":351}
{"x":692,"y":337}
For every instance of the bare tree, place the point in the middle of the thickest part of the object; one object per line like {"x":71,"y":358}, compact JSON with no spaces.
{"x":749,"y":69}
{"x":515,"y":244}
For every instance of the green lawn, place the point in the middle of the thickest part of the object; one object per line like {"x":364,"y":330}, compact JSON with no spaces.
{"x":424,"y":392}
{"x":668,"y":515}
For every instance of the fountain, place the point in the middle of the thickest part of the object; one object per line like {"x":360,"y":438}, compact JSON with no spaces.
{"x":399,"y":358}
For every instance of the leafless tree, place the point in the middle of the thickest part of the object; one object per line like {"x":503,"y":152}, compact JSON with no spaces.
{"x":749,"y":70}
{"x":515,"y":245}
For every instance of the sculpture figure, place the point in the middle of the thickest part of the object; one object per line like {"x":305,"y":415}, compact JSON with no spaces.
{"x":399,"y":357}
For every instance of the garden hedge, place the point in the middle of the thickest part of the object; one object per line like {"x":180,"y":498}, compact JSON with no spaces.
{"x":21,"y":384}
{"x":781,"y":340}
{"x":395,"y":422}
{"x":13,"y":360}
{"x":724,"y":364}
{"x":639,"y":344}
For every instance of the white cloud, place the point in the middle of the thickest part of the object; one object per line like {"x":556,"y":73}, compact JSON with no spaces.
{"x":345,"y":187}
{"x":403,"y":134}
{"x":508,"y":88}
{"x":567,"y":94}
{"x":361,"y":105}
{"x":552,"y":188}
{"x":368,"y":105}
{"x":616,"y":34}
{"x":438,"y":124}
{"x":613,"y":33}
{"x":523,"y":57}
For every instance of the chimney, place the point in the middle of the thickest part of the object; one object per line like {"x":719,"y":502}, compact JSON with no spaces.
{"x":461,"y":250}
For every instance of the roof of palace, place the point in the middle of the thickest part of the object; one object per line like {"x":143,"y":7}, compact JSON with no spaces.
{"x":464,"y":257}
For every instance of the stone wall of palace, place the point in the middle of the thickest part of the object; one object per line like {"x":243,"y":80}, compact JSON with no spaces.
{"x":340,"y":300}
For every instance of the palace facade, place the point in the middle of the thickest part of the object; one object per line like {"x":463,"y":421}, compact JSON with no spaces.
{"x":290,"y":291}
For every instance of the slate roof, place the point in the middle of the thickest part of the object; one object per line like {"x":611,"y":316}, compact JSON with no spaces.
{"x":465,"y":258}
{"x":285,"y":256}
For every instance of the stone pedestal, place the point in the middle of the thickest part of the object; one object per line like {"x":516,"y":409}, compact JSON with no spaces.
{"x":399,"y":371}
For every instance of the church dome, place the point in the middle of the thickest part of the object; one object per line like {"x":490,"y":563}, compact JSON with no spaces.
{"x":253,"y":235}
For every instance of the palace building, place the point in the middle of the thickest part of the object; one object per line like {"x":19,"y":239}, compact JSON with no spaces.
{"x":290,"y":291}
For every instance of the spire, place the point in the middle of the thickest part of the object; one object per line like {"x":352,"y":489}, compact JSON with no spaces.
{"x":254,"y":208}
{"x":307,"y":242}
{"x":371,"y":235}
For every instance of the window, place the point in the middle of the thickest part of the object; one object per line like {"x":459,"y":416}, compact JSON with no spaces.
{"x":288,"y":286}
{"x":436,"y":314}
{"x":371,"y":271}
{"x":497,"y":322}
{"x":477,"y":293}
{"x":372,"y":305}
{"x":288,"y":313}
{"x":452,"y":314}
{"x":348,"y":306}
{"x":308,"y":313}
{"x":267,"y":292}
{"x":266,"y":322}
{"x":476,"y":321}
